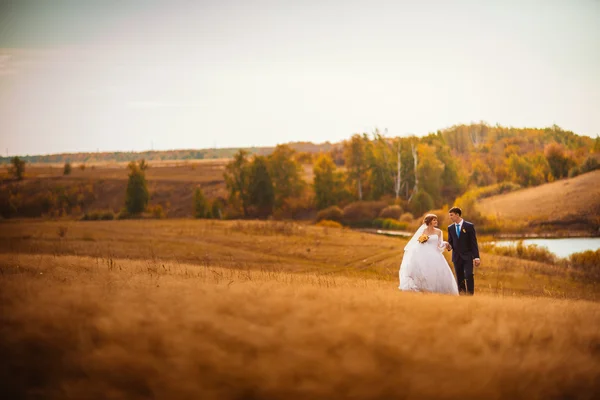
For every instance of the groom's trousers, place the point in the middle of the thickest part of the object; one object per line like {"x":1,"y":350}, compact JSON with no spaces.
{"x":464,"y":274}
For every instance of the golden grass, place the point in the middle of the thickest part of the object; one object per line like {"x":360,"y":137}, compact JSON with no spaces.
{"x":565,"y":200}
{"x":76,"y":327}
{"x":275,"y":245}
{"x":192,"y":172}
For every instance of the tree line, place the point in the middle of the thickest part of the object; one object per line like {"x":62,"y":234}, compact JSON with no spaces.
{"x":417,"y":174}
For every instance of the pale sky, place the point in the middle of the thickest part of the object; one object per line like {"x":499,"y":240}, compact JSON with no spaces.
{"x":87,"y":75}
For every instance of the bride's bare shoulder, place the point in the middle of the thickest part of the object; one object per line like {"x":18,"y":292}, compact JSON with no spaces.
{"x":438,"y":231}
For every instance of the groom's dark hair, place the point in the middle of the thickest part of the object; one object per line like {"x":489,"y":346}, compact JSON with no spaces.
{"x":455,"y":210}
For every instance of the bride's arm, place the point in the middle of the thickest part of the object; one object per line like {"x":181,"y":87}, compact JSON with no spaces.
{"x":441,"y":243}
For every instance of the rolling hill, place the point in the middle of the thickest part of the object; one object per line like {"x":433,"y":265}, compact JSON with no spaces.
{"x":569,"y":203}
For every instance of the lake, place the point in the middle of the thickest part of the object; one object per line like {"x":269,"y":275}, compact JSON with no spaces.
{"x":561,"y":247}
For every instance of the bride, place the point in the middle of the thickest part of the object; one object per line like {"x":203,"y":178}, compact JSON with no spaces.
{"x":424,"y":268}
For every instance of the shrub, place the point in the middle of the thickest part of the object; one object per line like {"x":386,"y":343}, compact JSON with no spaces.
{"x":90,"y":216}
{"x":588,"y":165}
{"x":389,"y":224}
{"x":326,"y":223}
{"x":522,"y":251}
{"x":107,"y":216}
{"x":407,"y":217}
{"x":67,"y":169}
{"x":333,"y":213}
{"x":157,"y":211}
{"x":124,"y":214}
{"x":586,"y":264}
{"x":98,"y":216}
{"x":200,"y":204}
{"x":573,"y":172}
{"x":215,"y":209}
{"x":362,"y":213}
{"x":393,"y":212}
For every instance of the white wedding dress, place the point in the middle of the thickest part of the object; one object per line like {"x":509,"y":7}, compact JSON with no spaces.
{"x":424,"y":268}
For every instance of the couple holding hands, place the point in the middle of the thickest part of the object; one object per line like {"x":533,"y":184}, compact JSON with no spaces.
{"x":424,"y":268}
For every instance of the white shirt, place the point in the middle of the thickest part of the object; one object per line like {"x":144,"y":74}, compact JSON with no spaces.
{"x":459,"y":224}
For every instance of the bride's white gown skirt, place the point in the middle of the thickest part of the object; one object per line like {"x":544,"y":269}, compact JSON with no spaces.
{"x":424,"y":269}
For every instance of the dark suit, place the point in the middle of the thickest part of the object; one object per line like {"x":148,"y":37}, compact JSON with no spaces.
{"x":464,"y":251}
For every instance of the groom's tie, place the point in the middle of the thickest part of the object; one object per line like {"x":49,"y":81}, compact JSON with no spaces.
{"x":457,"y":231}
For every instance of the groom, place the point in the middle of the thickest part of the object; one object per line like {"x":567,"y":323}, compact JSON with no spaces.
{"x":463,"y":241}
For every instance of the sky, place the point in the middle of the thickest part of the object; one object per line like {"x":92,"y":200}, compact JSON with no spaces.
{"x":123,"y":75}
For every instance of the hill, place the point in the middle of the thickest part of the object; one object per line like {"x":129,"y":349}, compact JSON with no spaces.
{"x":102,"y":186}
{"x":265,"y":310}
{"x":284,"y":246}
{"x":165,"y":155}
{"x":569,"y":203}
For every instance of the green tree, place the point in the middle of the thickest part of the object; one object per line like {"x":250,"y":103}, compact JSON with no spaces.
{"x":453,"y":177}
{"x":136,"y":195}
{"x":237,"y":173}
{"x":200,"y":204}
{"x":67,"y":169}
{"x":328,"y":183}
{"x":519,"y":170}
{"x":260,"y":188}
{"x":430,"y":171}
{"x":355,"y":152}
{"x":216,"y":207}
{"x":17,"y":168}
{"x":286,"y":175}
{"x":382,"y":166}
{"x":421,"y":202}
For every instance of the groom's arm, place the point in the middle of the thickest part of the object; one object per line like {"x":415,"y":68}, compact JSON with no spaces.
{"x":474,"y":246}
{"x":450,"y":242}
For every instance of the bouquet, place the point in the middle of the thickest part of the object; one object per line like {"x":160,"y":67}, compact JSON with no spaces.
{"x":423,"y":238}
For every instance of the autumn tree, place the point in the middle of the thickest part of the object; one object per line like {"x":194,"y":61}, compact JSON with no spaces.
{"x":481,"y":173}
{"x":328,"y":183}
{"x":453,"y":177}
{"x":136,"y":195}
{"x":17,"y":168}
{"x":261,"y":194}
{"x":429,"y":172}
{"x":519,"y":170}
{"x":355,"y":160}
{"x":67,"y":168}
{"x":382,"y":166}
{"x":237,"y":173}
{"x":200,"y":204}
{"x":558,"y":159}
{"x":286,"y":175}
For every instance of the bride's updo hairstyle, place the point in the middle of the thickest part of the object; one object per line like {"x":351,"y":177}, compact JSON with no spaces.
{"x":429,"y":218}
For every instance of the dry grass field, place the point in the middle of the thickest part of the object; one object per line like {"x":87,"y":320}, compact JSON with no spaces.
{"x":568,"y":202}
{"x":282,"y":246}
{"x":182,"y":309}
{"x":170,"y":183}
{"x":196,"y":171}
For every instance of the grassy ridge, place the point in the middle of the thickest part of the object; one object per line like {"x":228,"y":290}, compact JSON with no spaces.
{"x":566,"y":204}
